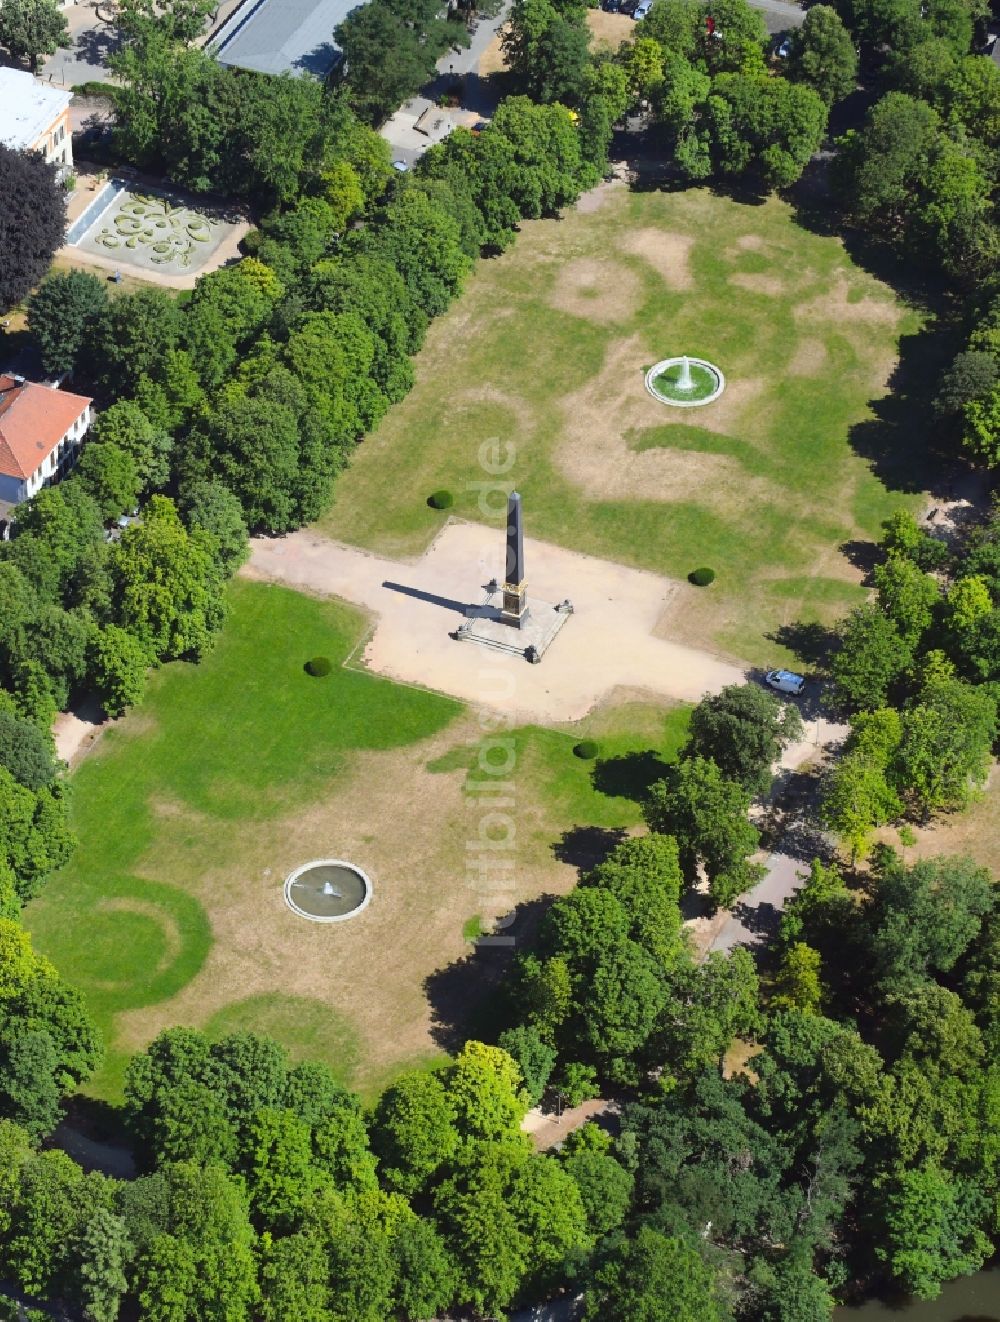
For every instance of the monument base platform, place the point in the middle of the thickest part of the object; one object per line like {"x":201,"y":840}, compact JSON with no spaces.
{"x":486,"y":626}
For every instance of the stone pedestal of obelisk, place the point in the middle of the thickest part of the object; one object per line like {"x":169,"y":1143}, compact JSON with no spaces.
{"x":506,"y":620}
{"x":514,"y":610}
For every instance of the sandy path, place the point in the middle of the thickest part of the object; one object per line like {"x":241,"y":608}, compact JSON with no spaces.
{"x":547,"y":1129}
{"x":76,"y":731}
{"x":608,"y":643}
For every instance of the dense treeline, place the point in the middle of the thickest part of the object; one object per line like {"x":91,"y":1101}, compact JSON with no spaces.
{"x":610,"y":993}
{"x":702,"y":70}
{"x":266,"y":1193}
{"x":235,"y":407}
{"x":856,"y":1147}
{"x":918,"y":669}
{"x":212,"y":128}
{"x":861,"y":1147}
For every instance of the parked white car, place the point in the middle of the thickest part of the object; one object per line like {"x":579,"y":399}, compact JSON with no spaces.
{"x":642,"y":9}
{"x":785,"y":681}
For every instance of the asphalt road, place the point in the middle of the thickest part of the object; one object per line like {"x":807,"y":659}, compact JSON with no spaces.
{"x":84,"y":60}
{"x":779,"y":16}
{"x":753,"y":919}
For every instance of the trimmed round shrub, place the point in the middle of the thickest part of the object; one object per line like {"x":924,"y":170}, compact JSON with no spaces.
{"x":587,"y":749}
{"x":441,"y":500}
{"x":701,"y":577}
{"x":318,"y":666}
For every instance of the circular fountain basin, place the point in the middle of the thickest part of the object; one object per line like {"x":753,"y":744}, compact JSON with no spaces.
{"x":327,"y":890}
{"x":703,"y":383}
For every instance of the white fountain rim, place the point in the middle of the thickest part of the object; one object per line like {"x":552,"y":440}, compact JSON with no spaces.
{"x":293,"y":877}
{"x":675,"y":361}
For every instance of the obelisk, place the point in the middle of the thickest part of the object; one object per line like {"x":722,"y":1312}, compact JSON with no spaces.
{"x":515,"y":607}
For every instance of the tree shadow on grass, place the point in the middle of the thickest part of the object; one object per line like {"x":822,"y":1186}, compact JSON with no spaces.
{"x":812,"y":643}
{"x":905,"y":446}
{"x":465,"y":997}
{"x":583,"y":847}
{"x":630,"y":775}
{"x":900,"y":441}
{"x":863,"y":555}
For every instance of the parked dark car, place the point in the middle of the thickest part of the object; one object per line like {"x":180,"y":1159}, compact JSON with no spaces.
{"x":611,"y":6}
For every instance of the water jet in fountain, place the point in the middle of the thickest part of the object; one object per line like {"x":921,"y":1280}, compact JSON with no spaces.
{"x":327,"y":890}
{"x":685,"y":382}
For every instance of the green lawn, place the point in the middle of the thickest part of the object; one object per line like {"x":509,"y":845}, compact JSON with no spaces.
{"x":546,"y":351}
{"x":637,"y":742}
{"x":182,"y":804}
{"x":245,"y":735}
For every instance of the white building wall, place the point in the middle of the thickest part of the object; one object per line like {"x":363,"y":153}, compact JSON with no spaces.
{"x":14,"y":490}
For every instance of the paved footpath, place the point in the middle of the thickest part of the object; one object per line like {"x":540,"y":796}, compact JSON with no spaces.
{"x":754,"y":919}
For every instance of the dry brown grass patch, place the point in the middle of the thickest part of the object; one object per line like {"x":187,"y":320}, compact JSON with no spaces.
{"x":609,"y":29}
{"x":808,"y":359}
{"x":593,"y":452}
{"x":973,"y":832}
{"x":669,"y":254}
{"x":836,"y":306}
{"x":598,"y":288}
{"x":758,"y":283}
{"x":407,"y":827}
{"x":492,"y":61}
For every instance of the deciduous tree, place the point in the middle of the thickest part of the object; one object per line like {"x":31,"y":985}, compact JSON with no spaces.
{"x":743,"y":729}
{"x":932,"y":1228}
{"x":823,"y":55}
{"x":907,"y":595}
{"x":486,"y":1093}
{"x":870,"y":658}
{"x":636,"y":1278}
{"x":62,"y":314}
{"x":213,"y":508}
{"x":168,"y":588}
{"x":32,"y":221}
{"x":944,"y":752}
{"x":413,"y":1131}
{"x":31,"y":28}
{"x":26,"y":751}
{"x":707,"y":815}
{"x":546,"y":48}
{"x":110,"y":476}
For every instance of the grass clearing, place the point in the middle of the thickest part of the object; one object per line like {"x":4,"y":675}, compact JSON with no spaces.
{"x":545,"y":353}
{"x":191,"y":812}
{"x":182,"y":786}
{"x":972,"y":832}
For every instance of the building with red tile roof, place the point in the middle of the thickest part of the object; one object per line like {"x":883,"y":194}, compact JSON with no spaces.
{"x":41,"y":430}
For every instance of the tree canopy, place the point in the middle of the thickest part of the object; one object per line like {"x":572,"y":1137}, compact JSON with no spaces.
{"x":32,"y":221}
